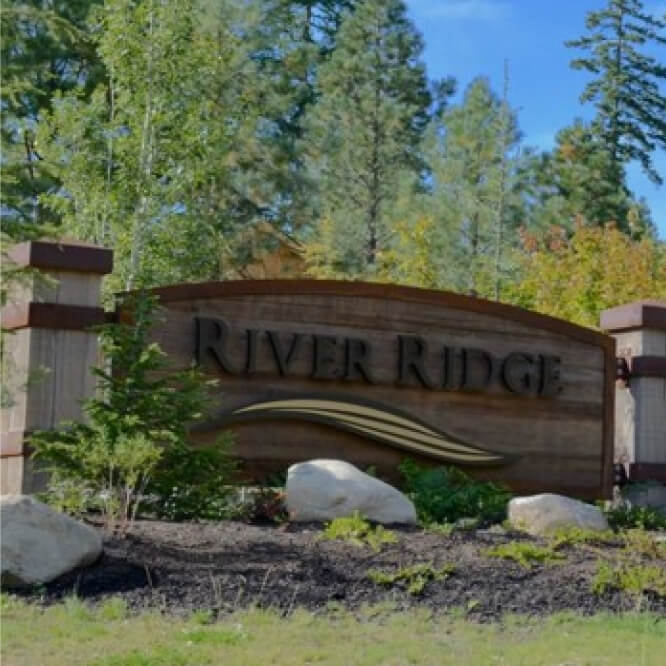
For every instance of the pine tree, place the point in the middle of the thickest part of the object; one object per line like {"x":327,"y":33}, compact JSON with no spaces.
{"x":577,"y":181}
{"x":45,"y":50}
{"x":631,"y":108}
{"x":363,"y":135}
{"x":287,"y":40}
{"x":474,"y":202}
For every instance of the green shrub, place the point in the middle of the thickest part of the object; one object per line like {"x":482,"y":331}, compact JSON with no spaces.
{"x":357,"y":530}
{"x":446,"y":494}
{"x":136,"y":428}
{"x":641,"y":517}
{"x":194,"y":483}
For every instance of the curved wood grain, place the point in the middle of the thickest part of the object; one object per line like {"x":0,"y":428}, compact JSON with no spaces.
{"x":211,"y":290}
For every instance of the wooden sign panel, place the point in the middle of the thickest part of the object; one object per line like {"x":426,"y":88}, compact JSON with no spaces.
{"x":375,"y":373}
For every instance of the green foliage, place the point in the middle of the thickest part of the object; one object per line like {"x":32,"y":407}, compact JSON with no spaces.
{"x":267,"y":504}
{"x":475,"y":195}
{"x":112,"y":609}
{"x":194,"y":483}
{"x":643,"y":517}
{"x":363,"y":136}
{"x":446,"y":494}
{"x":357,"y":530}
{"x":633,"y":578}
{"x":575,"y":536}
{"x":46,"y":49}
{"x":638,"y":542}
{"x":136,"y":429}
{"x":414,"y":577}
{"x":577,"y":183}
{"x":526,"y":553}
{"x":577,"y":277}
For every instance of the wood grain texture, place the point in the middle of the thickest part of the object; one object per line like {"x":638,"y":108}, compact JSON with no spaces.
{"x":562,"y":442}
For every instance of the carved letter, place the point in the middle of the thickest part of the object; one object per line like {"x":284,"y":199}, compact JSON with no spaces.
{"x":550,"y":376}
{"x":478,"y":369}
{"x":282,"y":360}
{"x":411,"y":359}
{"x":357,"y":357}
{"x":251,"y":359}
{"x":324,"y":364}
{"x":211,"y":337}
{"x":518,"y":372}
{"x":452,"y":372}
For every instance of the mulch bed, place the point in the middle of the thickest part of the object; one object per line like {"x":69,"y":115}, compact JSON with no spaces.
{"x":179,"y":567}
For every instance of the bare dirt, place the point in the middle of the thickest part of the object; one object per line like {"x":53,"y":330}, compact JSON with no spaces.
{"x":180,"y":567}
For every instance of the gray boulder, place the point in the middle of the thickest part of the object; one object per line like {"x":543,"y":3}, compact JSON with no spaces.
{"x":321,"y":490}
{"x":40,"y":544}
{"x":546,"y":513}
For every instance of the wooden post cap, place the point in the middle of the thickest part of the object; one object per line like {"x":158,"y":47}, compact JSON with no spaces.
{"x":639,"y":314}
{"x":63,"y":255}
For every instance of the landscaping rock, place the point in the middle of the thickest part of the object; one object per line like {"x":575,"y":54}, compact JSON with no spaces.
{"x":542,"y":514}
{"x":321,"y":490}
{"x":40,"y":544}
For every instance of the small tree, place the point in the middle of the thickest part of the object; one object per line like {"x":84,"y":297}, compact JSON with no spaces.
{"x":137,"y":421}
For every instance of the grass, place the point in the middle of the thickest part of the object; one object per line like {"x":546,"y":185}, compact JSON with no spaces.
{"x":415,"y":578}
{"x":357,"y":530}
{"x":526,"y":553}
{"x":76,"y":634}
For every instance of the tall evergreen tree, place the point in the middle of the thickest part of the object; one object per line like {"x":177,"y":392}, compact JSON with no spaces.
{"x":45,"y":50}
{"x":474,"y":199}
{"x":577,"y":182}
{"x":631,"y":109}
{"x":287,"y":40}
{"x":363,"y":134}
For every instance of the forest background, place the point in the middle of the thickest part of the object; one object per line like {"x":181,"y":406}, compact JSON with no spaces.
{"x":194,"y":136}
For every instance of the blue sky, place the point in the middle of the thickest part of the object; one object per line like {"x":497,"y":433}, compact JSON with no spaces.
{"x":467,"y":38}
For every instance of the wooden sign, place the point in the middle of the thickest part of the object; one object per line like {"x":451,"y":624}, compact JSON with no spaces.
{"x":374,"y":374}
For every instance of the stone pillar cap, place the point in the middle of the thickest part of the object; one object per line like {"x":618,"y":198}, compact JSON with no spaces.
{"x":62,"y":255}
{"x":648,"y":313}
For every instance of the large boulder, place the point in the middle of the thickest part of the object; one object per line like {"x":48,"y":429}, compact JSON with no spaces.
{"x":546,"y":513}
{"x":40,"y":544}
{"x":325,"y":489}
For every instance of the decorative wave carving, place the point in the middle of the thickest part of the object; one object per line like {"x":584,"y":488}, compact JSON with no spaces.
{"x":367,"y":419}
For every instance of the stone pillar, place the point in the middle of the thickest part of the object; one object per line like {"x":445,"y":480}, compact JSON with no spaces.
{"x":640,"y":400}
{"x":49,"y":347}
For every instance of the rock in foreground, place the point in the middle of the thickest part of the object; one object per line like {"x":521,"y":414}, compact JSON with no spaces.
{"x":546,"y":513}
{"x":321,"y":490}
{"x":40,"y":544}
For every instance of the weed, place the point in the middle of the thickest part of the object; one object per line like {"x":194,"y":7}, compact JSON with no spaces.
{"x":201,"y":616}
{"x":415,"y":577}
{"x":114,"y":608}
{"x":445,"y":529}
{"x":526,"y":553}
{"x":574,"y":536}
{"x":640,"y":542}
{"x":216,"y":635}
{"x":77,"y":609}
{"x":356,"y":529}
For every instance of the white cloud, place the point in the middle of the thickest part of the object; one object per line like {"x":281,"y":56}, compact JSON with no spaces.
{"x":484,"y":10}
